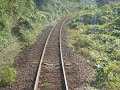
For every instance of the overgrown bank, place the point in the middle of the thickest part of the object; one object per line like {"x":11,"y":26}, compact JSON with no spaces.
{"x":95,"y":33}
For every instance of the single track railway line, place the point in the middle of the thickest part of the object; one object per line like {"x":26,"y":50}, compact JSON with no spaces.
{"x":51,"y":72}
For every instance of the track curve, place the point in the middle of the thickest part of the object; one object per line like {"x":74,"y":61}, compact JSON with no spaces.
{"x":51,"y":71}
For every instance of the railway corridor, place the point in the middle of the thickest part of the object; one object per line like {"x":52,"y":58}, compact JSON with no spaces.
{"x":50,"y":73}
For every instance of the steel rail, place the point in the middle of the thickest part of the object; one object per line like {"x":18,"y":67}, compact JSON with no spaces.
{"x":61,"y":55}
{"x":41,"y":60}
{"x":42,"y":57}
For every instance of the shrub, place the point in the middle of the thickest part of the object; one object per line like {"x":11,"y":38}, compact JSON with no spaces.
{"x":93,"y":29}
{"x":24,"y":22}
{"x":2,"y":25}
{"x":87,"y":19}
{"x":5,"y":39}
{"x":116,"y":33}
{"x":117,"y":9}
{"x":73,"y":25}
{"x":104,"y":71}
{"x":102,"y":20}
{"x":8,"y":76}
{"x":83,"y":41}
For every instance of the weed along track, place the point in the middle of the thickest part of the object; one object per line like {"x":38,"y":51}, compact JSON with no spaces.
{"x":51,"y":72}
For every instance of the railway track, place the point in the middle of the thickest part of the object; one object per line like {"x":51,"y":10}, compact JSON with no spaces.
{"x":51,"y":72}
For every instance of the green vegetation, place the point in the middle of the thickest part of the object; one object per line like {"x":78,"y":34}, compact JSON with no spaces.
{"x":8,"y":75}
{"x":17,"y":25}
{"x":95,"y":33}
{"x":47,"y":85}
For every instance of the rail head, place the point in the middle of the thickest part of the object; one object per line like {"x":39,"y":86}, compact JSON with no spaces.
{"x":61,"y":56}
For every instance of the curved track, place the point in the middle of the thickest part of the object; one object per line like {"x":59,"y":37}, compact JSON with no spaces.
{"x":51,"y":71}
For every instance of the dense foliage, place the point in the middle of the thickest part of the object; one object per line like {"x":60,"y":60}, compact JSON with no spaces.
{"x":97,"y":38}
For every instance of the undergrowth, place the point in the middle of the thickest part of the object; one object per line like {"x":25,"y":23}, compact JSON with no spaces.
{"x":96,"y":35}
{"x":8,"y":75}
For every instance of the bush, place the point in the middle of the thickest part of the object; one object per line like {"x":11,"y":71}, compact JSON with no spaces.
{"x":117,"y":10}
{"x":83,"y":41}
{"x":87,"y":19}
{"x":5,"y":39}
{"x":25,"y":22}
{"x":73,"y":24}
{"x":102,"y":20}
{"x":116,"y":33}
{"x":93,"y":29}
{"x":2,"y":25}
{"x":8,"y":76}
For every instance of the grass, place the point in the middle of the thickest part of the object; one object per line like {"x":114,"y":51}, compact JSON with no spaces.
{"x":8,"y":75}
{"x":114,"y":83}
{"x":7,"y":57}
{"x":47,"y":85}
